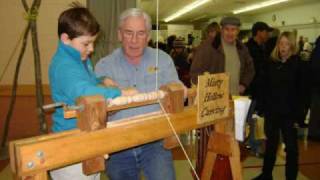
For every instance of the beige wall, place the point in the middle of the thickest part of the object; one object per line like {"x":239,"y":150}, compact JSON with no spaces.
{"x":303,"y":18}
{"x":12,"y":24}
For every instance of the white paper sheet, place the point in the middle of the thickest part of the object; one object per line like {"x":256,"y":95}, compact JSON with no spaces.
{"x":241,"y":108}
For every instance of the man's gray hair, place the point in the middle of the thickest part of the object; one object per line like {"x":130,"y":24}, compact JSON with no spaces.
{"x":135,"y":12}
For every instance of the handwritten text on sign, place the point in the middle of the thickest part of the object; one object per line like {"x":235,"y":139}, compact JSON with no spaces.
{"x":213,"y":101}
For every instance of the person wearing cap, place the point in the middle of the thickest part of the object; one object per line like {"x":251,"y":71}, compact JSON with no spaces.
{"x":256,"y":46}
{"x":226,"y":54}
{"x":179,"y":54}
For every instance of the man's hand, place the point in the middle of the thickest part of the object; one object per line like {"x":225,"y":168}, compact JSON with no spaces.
{"x":242,"y":88}
{"x":129,"y":91}
{"x":109,"y":83}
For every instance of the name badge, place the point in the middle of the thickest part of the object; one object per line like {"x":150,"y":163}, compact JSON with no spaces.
{"x":152,"y":69}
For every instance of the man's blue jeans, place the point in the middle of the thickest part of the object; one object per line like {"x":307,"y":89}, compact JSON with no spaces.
{"x":155,"y":162}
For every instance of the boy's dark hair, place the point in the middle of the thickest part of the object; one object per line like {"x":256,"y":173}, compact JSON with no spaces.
{"x":77,"y":21}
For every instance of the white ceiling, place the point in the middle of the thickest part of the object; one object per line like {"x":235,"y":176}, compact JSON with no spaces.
{"x":209,"y":10}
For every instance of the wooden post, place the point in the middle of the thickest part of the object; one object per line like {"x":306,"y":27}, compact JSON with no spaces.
{"x":236,"y":168}
{"x":92,"y":116}
{"x":223,"y":142}
{"x":39,"y":176}
{"x":173,"y":102}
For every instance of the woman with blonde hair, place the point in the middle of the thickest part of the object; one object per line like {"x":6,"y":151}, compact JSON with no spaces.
{"x":281,"y":98}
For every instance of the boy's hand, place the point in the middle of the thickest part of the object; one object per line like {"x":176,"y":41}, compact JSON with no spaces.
{"x":109,"y":83}
{"x":129,"y":91}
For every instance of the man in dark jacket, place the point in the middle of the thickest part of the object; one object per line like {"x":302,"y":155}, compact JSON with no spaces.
{"x":256,"y":45}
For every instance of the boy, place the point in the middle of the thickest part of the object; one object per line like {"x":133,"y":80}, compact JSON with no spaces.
{"x":71,"y":75}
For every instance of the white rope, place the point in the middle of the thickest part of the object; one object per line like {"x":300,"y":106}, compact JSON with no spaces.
{"x":157,"y":46}
{"x":180,"y":143}
{"x":166,"y":115}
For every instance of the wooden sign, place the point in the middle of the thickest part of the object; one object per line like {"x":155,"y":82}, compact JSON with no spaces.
{"x":213,"y":97}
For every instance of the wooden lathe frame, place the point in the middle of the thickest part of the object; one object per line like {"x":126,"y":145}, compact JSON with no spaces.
{"x":32,"y":158}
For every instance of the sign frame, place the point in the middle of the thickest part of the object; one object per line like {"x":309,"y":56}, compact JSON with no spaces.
{"x":213,"y":97}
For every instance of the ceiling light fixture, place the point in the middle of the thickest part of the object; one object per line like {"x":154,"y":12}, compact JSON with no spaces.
{"x":258,"y":6}
{"x":186,"y":9}
{"x":199,"y":17}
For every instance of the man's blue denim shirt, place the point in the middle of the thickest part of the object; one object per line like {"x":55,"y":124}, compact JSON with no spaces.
{"x":141,"y":76}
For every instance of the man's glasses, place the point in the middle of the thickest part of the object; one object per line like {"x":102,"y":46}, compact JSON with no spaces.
{"x":128,"y":34}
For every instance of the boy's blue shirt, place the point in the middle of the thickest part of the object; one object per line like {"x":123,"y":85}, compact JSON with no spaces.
{"x":70,"y":78}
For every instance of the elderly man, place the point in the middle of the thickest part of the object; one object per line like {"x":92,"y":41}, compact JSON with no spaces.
{"x":134,"y":65}
{"x":224,"y":54}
